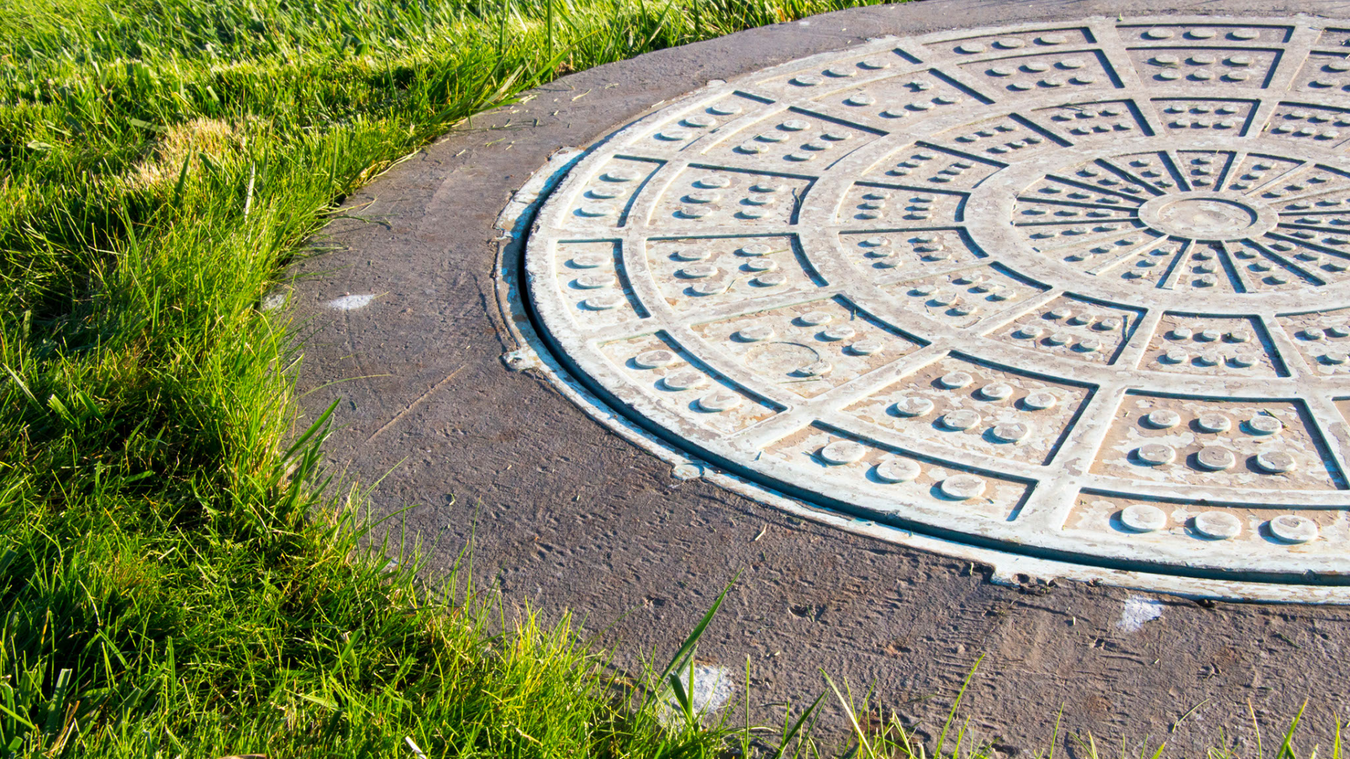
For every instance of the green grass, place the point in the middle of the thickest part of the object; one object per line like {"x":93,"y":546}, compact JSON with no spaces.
{"x":172,"y":581}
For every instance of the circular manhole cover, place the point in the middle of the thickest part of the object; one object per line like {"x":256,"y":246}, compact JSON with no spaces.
{"x":1079,"y":291}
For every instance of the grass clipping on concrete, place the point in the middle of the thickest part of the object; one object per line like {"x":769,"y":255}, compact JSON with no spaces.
{"x":173,"y":583}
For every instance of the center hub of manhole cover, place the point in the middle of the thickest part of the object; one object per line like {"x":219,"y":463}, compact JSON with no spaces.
{"x":1076,"y":291}
{"x":1207,"y":216}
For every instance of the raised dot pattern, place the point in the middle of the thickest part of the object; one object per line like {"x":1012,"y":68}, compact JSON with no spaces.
{"x":812,"y":274}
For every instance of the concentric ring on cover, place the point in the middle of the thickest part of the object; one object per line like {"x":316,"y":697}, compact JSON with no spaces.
{"x":1078,"y":291}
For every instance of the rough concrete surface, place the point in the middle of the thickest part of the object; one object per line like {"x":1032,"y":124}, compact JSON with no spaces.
{"x":565,"y":515}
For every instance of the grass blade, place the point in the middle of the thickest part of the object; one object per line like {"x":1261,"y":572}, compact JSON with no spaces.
{"x":942,"y":736}
{"x":797,"y":726}
{"x":684,"y":655}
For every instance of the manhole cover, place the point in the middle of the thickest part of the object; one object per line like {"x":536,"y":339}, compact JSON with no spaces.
{"x":1078,"y":291}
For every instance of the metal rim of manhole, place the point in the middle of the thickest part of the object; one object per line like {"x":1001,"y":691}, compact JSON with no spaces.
{"x":1075,"y":293}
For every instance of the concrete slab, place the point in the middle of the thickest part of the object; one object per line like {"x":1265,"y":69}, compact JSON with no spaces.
{"x":565,"y":514}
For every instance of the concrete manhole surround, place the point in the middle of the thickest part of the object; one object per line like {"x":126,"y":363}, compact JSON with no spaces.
{"x":1073,"y":291}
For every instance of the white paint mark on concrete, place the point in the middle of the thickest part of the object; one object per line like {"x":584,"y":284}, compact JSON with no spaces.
{"x":350,"y":302}
{"x":1137,"y":611}
{"x":275,"y":299}
{"x":712,"y":688}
